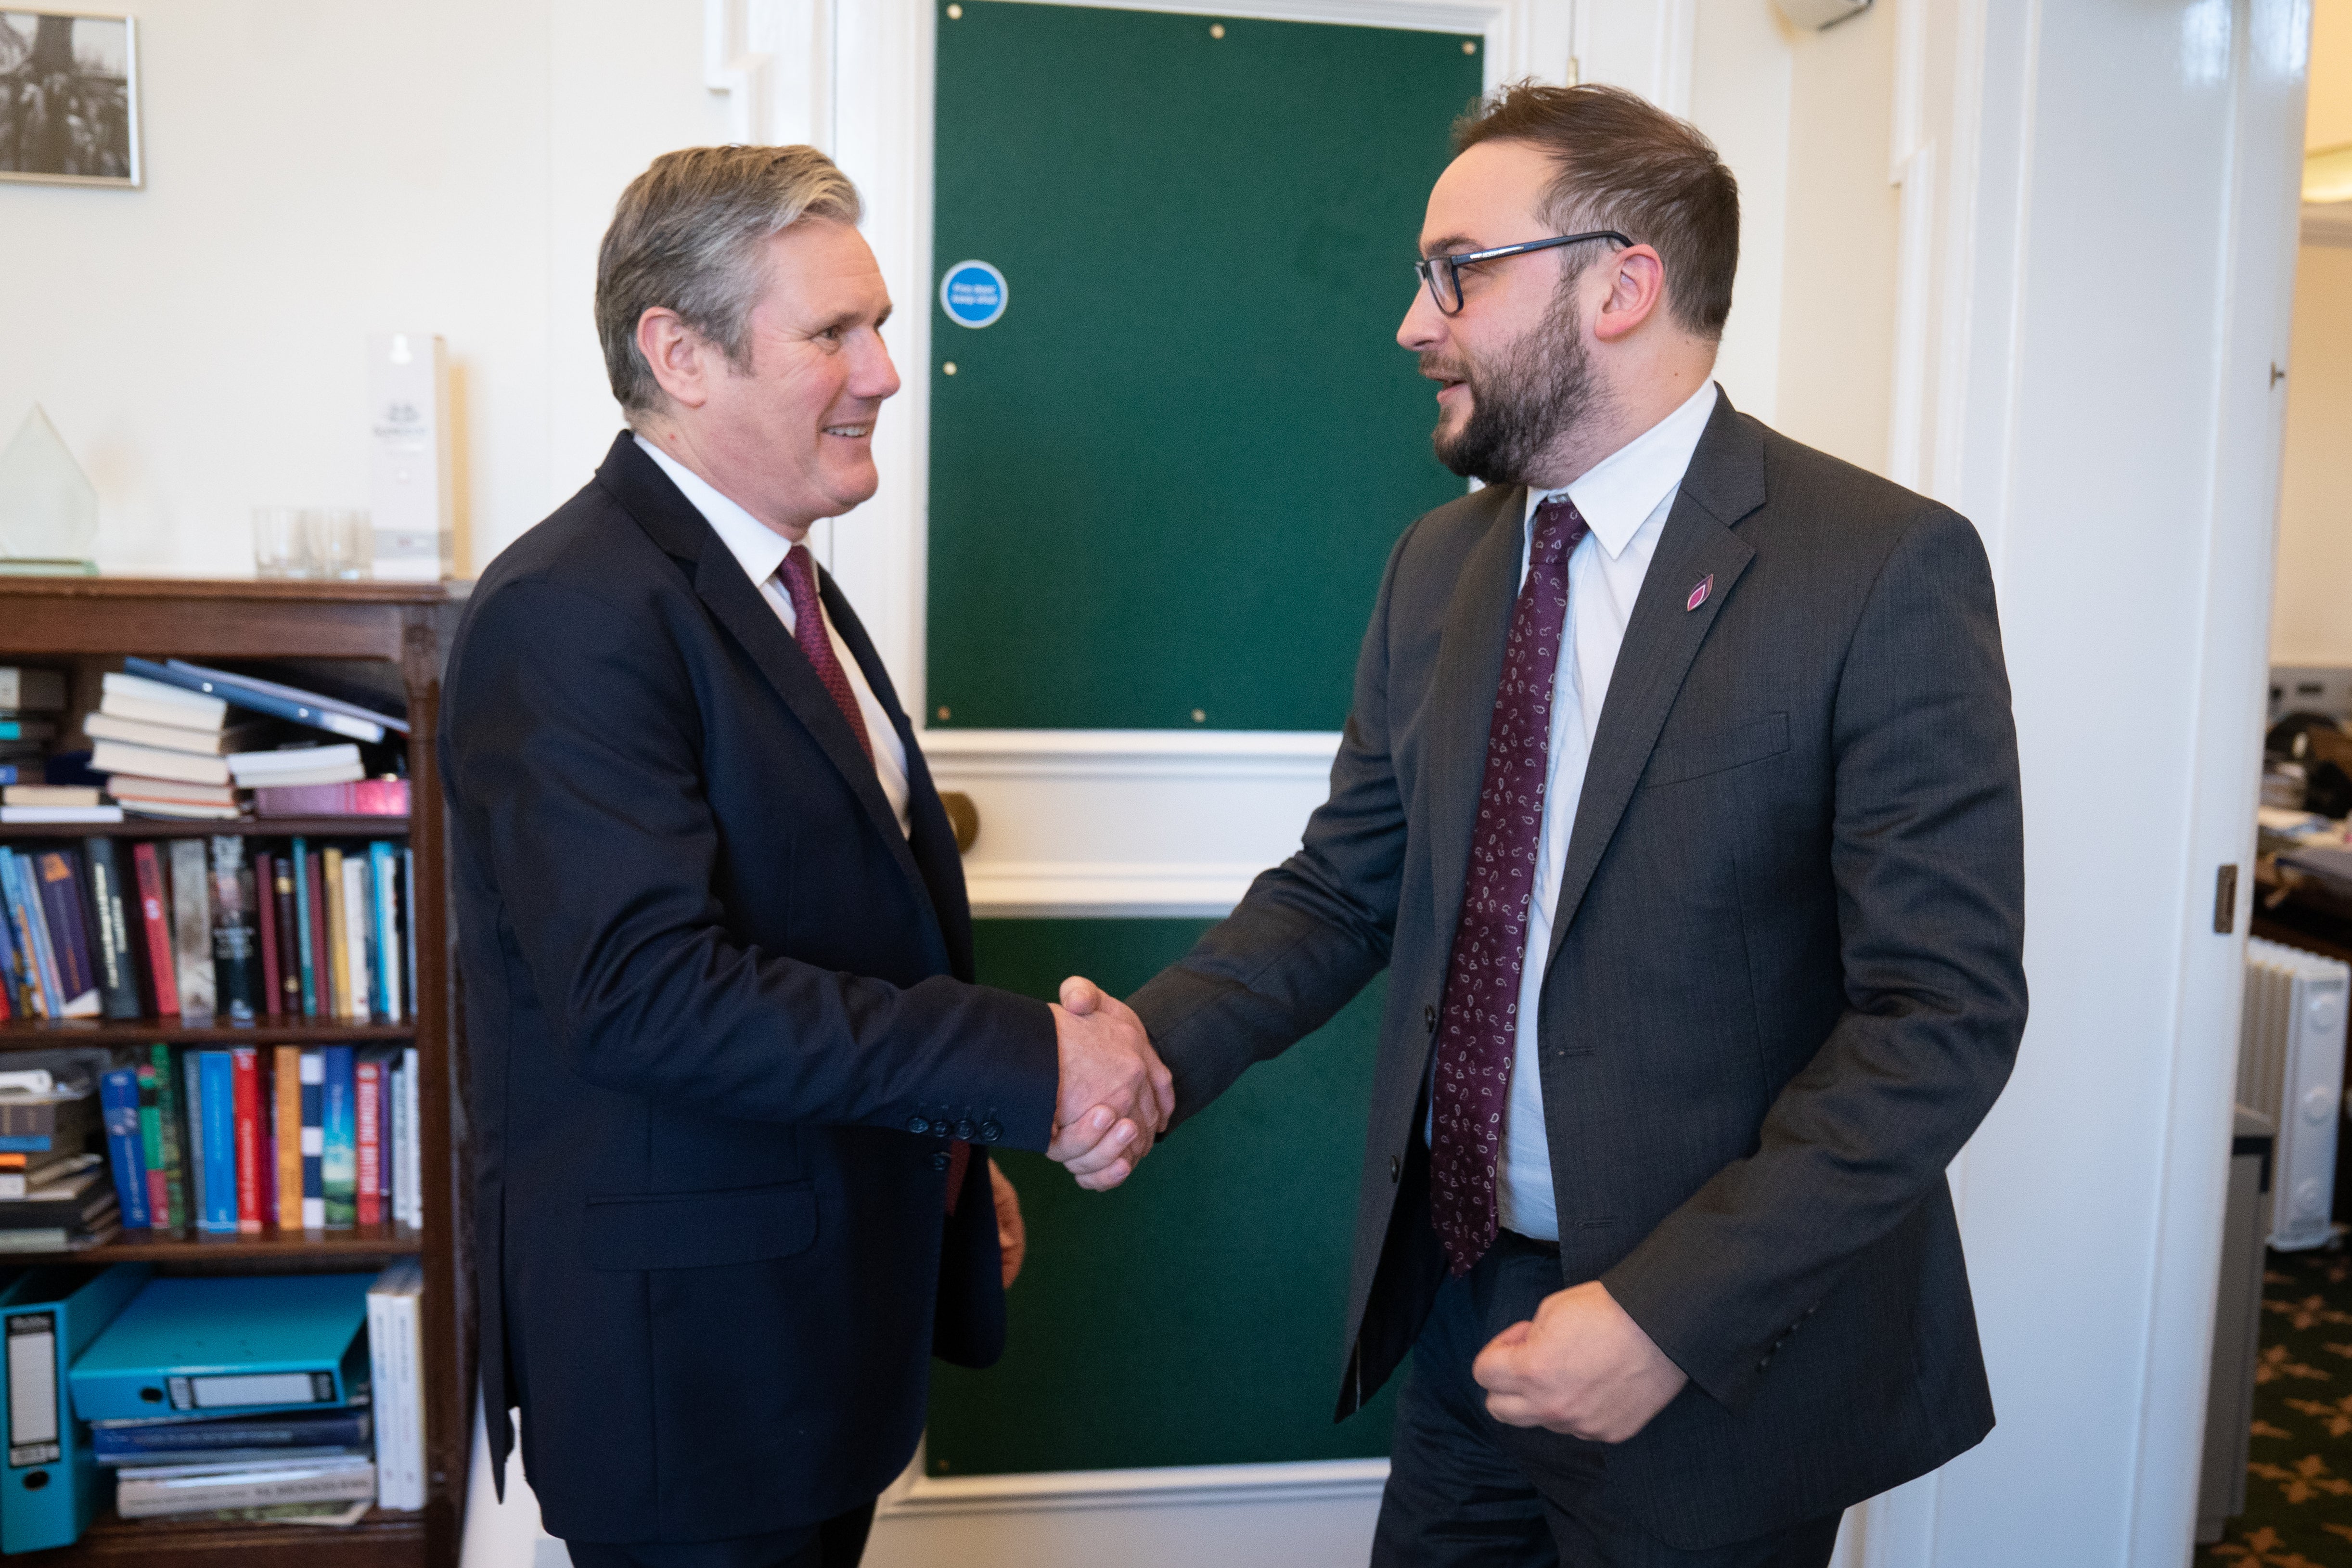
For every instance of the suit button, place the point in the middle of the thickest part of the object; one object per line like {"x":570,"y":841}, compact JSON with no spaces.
{"x":940,"y":1160}
{"x":917,"y":1126}
{"x":964,"y":1129}
{"x":1429,"y":1019}
{"x":989,"y":1132}
{"x":1761,"y":1364}
{"x":1393,"y":1167}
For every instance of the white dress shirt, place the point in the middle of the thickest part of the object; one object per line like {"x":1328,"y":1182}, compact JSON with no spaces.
{"x":762,"y":550}
{"x":1624,"y":499}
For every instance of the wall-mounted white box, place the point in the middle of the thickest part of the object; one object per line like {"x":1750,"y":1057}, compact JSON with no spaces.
{"x":411,"y":483}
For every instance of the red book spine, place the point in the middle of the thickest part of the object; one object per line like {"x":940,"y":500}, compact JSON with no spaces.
{"x":247,"y":1079}
{"x":368,"y":1074}
{"x":162,"y":972}
{"x":265,"y":917}
{"x":322,"y":966}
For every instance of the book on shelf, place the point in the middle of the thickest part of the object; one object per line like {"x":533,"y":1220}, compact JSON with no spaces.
{"x":217,"y":743}
{"x":296,"y":765}
{"x":237,"y":977}
{"x":264,"y":931}
{"x":156,"y":931}
{"x":192,"y":928}
{"x":125,"y":1145}
{"x":162,"y":796}
{"x":160,"y":1491}
{"x":155,"y":763}
{"x":396,"y":1373}
{"x":286,"y":1088}
{"x":109,"y":920}
{"x":77,"y":795}
{"x":26,"y":691}
{"x":40,"y":1170}
{"x":29,"y":815}
{"x":339,"y":1139}
{"x":246,"y":1100}
{"x":281,"y":919}
{"x":125,"y":695}
{"x":314,"y":1138}
{"x":14,"y":728}
{"x":172,"y":1136}
{"x":275,"y":698}
{"x":361,"y":797}
{"x":61,"y":897}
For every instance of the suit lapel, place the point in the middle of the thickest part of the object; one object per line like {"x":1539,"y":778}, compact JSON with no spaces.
{"x":1724,"y":483}
{"x":1469,"y":669}
{"x":932,"y":855}
{"x":671,"y":522}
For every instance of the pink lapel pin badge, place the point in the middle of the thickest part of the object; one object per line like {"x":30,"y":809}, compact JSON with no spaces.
{"x":1698,"y":594}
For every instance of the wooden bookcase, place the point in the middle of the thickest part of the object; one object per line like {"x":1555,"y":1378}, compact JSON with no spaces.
{"x":84,"y":625}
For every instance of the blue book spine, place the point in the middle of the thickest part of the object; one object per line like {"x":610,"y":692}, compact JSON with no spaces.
{"x":8,"y":773}
{"x":338,"y":1154}
{"x":11,"y":977}
{"x":32,"y":926}
{"x":238,"y":695}
{"x":220,"y":1143}
{"x":300,"y":856}
{"x":192,"y":1143}
{"x":313,"y":1134}
{"x":118,"y":1101}
{"x":340,"y":1429}
{"x":389,"y":991}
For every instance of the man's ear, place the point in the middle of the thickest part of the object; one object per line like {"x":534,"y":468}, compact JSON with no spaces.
{"x":1637,"y":290}
{"x":681,"y":360}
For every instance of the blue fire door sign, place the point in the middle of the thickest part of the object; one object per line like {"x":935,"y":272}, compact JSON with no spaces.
{"x":972,"y":293}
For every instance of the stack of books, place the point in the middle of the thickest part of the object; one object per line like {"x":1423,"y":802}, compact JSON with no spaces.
{"x":165,"y":749}
{"x":164,"y":735}
{"x":276,"y":1397}
{"x":54,"y":1195}
{"x":32,"y":702}
{"x":239,"y":1142}
{"x":236,"y":929}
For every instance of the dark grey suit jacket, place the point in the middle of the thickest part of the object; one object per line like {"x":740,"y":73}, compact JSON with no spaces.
{"x":1784,"y":983}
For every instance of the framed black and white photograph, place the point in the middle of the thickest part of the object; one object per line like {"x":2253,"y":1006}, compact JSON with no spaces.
{"x":69,"y":99}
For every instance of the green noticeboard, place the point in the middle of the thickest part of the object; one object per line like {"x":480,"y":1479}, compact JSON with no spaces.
{"x":1192,"y":1315}
{"x":1164,"y":479}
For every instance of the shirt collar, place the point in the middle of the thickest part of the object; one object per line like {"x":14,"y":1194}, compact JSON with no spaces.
{"x":1621,"y":491}
{"x":760,"y":549}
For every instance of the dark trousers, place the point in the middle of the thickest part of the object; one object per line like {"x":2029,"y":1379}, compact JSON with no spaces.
{"x":1465,"y":1488}
{"x":838,"y":1542}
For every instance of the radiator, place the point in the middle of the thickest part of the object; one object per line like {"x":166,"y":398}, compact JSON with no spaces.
{"x":2291,"y":1068}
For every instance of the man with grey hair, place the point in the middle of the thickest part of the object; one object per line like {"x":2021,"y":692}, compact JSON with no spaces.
{"x":729,"y":1065}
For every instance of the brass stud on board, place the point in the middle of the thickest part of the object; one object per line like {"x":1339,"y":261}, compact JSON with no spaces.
{"x":948,"y":369}
{"x":955,"y":12}
{"x":1198,"y":717}
{"x":1217,"y":29}
{"x":1469,"y":45}
{"x":943,"y":711}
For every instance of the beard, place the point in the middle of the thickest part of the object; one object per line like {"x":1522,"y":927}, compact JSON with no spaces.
{"x":1535,"y":391}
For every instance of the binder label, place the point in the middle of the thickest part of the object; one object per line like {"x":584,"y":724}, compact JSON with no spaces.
{"x":33,"y":1389}
{"x":252,"y":1388}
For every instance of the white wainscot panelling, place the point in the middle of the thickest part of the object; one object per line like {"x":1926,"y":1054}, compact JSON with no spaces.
{"x":1124,"y":822}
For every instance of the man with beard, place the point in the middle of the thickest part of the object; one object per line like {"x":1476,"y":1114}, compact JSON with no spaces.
{"x":1679,"y":795}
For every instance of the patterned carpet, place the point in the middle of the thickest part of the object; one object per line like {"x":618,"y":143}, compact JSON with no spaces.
{"x":2299,"y":1489}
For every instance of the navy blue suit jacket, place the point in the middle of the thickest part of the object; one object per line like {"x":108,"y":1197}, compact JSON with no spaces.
{"x":711,"y":987}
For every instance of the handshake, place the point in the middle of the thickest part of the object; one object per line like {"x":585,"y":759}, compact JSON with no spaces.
{"x":1115,"y":1094}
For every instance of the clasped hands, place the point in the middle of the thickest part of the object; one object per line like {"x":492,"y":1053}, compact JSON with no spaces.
{"x":1115,"y":1094}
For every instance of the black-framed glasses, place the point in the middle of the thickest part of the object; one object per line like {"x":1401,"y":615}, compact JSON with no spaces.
{"x":1444,"y":273}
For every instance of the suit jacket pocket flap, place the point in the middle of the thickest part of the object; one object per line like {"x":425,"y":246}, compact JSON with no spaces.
{"x":699,"y":1230}
{"x":1723,"y":750}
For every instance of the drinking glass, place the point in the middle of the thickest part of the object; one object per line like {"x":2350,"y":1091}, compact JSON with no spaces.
{"x":342,"y":544}
{"x":279,"y":549}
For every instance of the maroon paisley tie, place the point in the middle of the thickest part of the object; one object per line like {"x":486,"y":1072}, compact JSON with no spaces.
{"x":1478,"y":1022}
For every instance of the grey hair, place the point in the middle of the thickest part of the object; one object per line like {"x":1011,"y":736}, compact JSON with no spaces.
{"x":687,"y":235}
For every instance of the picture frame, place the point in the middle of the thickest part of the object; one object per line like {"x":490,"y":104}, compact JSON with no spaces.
{"x":69,"y":99}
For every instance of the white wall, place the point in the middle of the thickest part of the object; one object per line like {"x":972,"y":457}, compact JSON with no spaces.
{"x":2311,"y":619}
{"x":313,"y":173}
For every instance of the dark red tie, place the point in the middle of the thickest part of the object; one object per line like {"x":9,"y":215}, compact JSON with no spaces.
{"x":799,"y":575}
{"x":1478,"y":1023}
